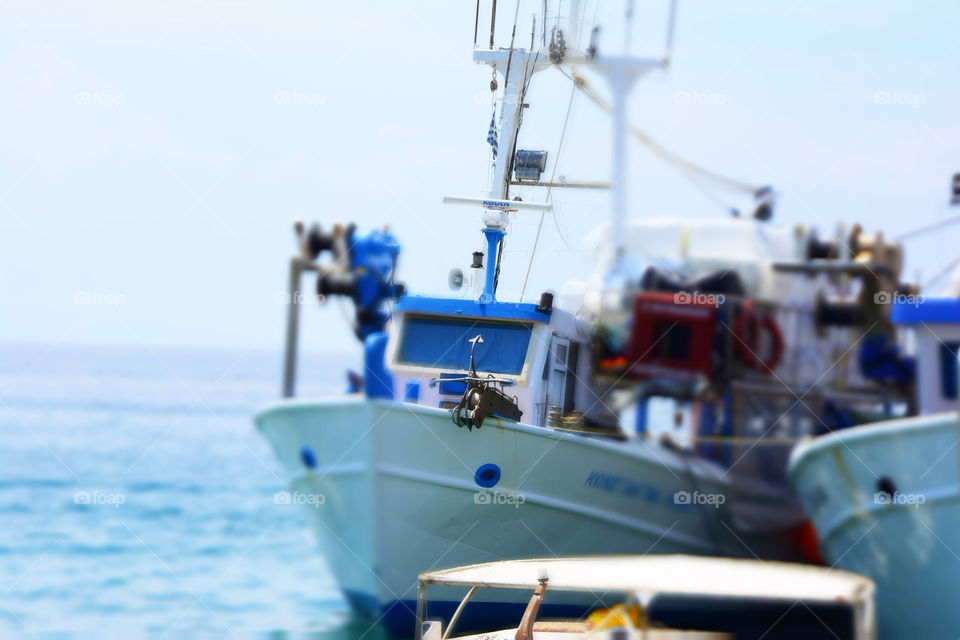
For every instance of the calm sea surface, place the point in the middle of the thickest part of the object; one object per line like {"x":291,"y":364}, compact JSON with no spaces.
{"x":137,"y":499}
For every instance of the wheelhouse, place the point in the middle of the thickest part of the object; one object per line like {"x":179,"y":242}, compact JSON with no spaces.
{"x":936,"y":325}
{"x":538,"y":351}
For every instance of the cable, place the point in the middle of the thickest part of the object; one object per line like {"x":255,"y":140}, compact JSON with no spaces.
{"x":664,"y":153}
{"x":941,"y":273}
{"x":927,"y":229}
{"x":556,"y":163}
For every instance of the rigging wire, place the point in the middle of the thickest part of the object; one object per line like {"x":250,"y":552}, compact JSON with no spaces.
{"x":556,"y":163}
{"x":658,"y":149}
{"x":940,"y":274}
{"x":919,"y":231}
{"x":529,"y":70}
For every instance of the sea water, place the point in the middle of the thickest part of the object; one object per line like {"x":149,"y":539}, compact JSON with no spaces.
{"x":137,"y":499}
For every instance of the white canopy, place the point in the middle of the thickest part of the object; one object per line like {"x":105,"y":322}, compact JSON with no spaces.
{"x":676,"y":574}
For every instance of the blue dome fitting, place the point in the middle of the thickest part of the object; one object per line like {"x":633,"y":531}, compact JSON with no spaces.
{"x":487,"y":475}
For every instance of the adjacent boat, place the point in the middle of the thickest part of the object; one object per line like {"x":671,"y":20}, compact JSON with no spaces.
{"x":885,"y":498}
{"x":650,"y":411}
{"x":663,"y":597}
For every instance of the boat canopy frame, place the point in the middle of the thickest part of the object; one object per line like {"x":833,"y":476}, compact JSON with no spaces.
{"x":642,"y":576}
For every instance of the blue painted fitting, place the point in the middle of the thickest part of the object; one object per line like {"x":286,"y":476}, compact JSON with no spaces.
{"x":308,"y":457}
{"x":642,"y":405}
{"x":487,"y":475}
{"x":493,"y":239}
{"x":378,"y":381}
{"x":411,"y":392}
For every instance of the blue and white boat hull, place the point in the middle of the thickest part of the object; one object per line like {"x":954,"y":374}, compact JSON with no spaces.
{"x":885,"y":502}
{"x":394,"y":491}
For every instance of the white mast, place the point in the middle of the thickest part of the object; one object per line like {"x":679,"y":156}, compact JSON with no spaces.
{"x":518,"y":65}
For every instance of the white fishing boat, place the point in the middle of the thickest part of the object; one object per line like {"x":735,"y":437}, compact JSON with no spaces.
{"x":885,"y":498}
{"x":662,"y":598}
{"x":651,"y":410}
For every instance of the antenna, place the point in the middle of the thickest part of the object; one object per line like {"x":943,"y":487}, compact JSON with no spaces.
{"x":671,"y":22}
{"x":476,"y":24}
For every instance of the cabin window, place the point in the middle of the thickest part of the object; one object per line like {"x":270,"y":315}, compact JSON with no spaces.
{"x":948,"y":369}
{"x":558,"y":376}
{"x":443,"y":343}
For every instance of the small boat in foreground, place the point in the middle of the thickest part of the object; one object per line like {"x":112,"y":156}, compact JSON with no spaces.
{"x":666,"y":597}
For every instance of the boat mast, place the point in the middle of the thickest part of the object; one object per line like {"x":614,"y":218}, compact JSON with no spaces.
{"x":517,"y":65}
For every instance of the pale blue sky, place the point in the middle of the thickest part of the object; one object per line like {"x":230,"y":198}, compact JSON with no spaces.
{"x":143,"y":154}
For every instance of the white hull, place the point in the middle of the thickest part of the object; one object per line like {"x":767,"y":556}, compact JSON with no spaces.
{"x":400,"y":497}
{"x":908,"y":542}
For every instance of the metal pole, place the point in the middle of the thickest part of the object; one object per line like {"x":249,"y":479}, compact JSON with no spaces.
{"x":476,"y":24}
{"x":620,"y":84}
{"x":493,"y":22}
{"x":293,"y":322}
{"x":421,"y":607}
{"x":456,"y":614}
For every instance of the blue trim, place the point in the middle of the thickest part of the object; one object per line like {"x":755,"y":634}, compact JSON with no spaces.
{"x":927,"y":310}
{"x":642,"y":414}
{"x":471,"y":308}
{"x":487,"y":475}
{"x":367,"y":605}
{"x":948,"y":369}
{"x":378,"y":381}
{"x":490,"y":275}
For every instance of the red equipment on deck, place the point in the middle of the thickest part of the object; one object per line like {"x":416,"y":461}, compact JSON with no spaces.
{"x":673,"y":336}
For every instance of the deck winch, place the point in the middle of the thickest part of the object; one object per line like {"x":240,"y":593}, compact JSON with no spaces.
{"x":363,"y":270}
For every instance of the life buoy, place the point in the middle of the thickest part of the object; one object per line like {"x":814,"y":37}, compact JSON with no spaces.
{"x":768,"y":324}
{"x":748,"y":327}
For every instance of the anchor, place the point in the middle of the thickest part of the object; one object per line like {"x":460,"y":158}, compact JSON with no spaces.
{"x":483,"y":396}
